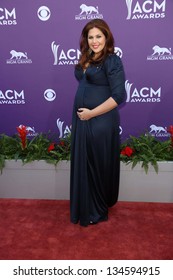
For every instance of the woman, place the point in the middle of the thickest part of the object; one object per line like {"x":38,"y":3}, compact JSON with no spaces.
{"x":95,"y":126}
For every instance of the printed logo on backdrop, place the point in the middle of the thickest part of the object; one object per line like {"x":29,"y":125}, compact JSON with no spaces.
{"x":71,"y":56}
{"x":158,"y":131}
{"x":63,"y":132}
{"x":7,"y":17}
{"x":160,"y":53}
{"x":30,"y":130}
{"x":12,"y":97}
{"x":43,"y":13}
{"x":118,"y":51}
{"x":120,"y":130}
{"x":49,"y":94}
{"x":62,"y":57}
{"x":18,"y":58}
{"x":143,"y":95}
{"x":148,"y":9}
{"x":88,"y":13}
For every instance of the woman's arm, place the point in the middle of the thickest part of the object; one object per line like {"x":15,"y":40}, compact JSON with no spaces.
{"x":86,"y":114}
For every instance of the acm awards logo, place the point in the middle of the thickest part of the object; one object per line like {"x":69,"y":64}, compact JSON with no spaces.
{"x":61,"y":57}
{"x":88,"y":13}
{"x":146,"y":10}
{"x":63,"y":132}
{"x":12,"y":97}
{"x":160,"y":53}
{"x":18,"y":58}
{"x":143,"y":95}
{"x":71,"y":56}
{"x":7,"y":17}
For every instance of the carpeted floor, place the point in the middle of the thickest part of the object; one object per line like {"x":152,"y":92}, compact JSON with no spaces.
{"x":40,"y":230}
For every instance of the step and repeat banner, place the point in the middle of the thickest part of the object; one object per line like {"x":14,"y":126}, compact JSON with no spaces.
{"x":40,"y":47}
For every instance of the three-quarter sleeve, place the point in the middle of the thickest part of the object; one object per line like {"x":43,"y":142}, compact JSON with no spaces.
{"x":116,"y":77}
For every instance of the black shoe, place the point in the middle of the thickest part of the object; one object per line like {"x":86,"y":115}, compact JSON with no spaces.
{"x":92,"y":223}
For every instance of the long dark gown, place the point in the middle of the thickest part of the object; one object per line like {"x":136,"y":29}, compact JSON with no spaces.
{"x":95,"y":163}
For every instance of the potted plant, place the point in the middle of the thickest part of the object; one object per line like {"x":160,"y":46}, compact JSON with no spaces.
{"x":41,"y":147}
{"x":147,"y":150}
{"x":146,"y":167}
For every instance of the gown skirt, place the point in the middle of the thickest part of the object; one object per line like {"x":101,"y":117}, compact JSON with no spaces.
{"x":95,"y":150}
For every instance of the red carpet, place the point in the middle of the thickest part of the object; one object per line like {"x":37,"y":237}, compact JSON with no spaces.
{"x":40,"y":230}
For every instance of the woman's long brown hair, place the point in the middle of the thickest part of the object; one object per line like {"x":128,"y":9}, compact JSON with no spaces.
{"x":86,"y":55}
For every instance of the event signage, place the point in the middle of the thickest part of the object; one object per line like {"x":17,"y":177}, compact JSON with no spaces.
{"x":40,"y":48}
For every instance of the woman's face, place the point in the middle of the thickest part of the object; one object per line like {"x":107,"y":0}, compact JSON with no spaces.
{"x":96,"y":40}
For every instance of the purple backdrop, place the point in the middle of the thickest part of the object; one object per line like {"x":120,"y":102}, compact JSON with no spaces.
{"x":40,"y":46}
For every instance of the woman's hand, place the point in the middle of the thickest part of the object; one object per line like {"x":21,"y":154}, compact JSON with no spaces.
{"x":84,"y":114}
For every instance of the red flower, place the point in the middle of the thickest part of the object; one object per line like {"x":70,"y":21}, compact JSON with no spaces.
{"x":51,"y":147}
{"x":170,"y":130}
{"x":127,"y":151}
{"x":61,"y":143}
{"x":22,"y":134}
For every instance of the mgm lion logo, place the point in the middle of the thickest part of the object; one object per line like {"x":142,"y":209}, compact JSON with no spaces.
{"x":88,"y":12}
{"x":18,"y":55}
{"x":161,"y":51}
{"x":157,"y":129}
{"x":88,"y":9}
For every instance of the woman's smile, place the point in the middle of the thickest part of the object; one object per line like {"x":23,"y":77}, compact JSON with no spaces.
{"x":96,"y":40}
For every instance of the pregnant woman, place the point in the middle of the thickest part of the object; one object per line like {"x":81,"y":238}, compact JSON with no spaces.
{"x":95,"y":151}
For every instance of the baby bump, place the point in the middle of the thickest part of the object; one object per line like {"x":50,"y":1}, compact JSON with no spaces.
{"x":104,"y":125}
{"x":92,"y":96}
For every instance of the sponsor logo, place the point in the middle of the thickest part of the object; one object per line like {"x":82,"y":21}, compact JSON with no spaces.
{"x":71,"y":56}
{"x":12,"y":97}
{"x":7,"y":17}
{"x":143,"y":95}
{"x":160,"y":53}
{"x":49,"y":94}
{"x":121,"y":130}
{"x":146,"y":10}
{"x":61,"y":57}
{"x":63,"y":132}
{"x":118,"y":51}
{"x":43,"y":13}
{"x":30,"y":130}
{"x":158,"y":131}
{"x":88,"y":12}
{"x":18,"y":58}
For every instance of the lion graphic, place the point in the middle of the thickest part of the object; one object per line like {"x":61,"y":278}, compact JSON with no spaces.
{"x":88,"y":9}
{"x":156,"y":129}
{"x":18,"y":55}
{"x":30,"y":129}
{"x":160,"y":51}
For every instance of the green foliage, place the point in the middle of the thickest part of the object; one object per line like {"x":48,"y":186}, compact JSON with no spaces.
{"x":147,"y":150}
{"x":36,"y":149}
{"x":144,"y":149}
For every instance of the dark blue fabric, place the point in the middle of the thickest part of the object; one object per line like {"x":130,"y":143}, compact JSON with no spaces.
{"x":94,"y":183}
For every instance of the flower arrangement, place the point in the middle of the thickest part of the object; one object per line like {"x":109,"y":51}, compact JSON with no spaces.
{"x":147,"y":150}
{"x":40,"y":147}
{"x":144,"y":149}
